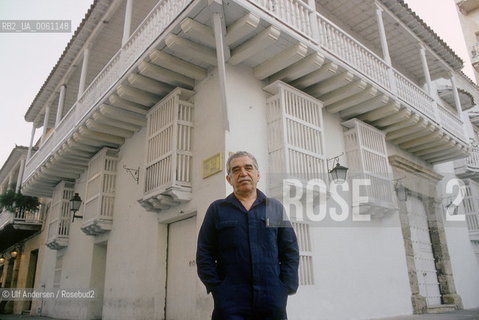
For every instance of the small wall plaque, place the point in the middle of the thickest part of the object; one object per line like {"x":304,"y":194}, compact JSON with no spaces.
{"x":212,"y":165}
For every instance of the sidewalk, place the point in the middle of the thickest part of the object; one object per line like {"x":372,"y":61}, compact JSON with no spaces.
{"x":472,"y":314}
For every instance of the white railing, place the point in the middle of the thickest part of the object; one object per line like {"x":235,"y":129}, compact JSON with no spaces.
{"x":340,"y":44}
{"x":345,"y":47}
{"x":147,"y":32}
{"x":414,"y":96}
{"x":28,"y":216}
{"x":54,"y":140}
{"x":473,"y":160}
{"x":450,"y":122}
{"x":294,"y":13}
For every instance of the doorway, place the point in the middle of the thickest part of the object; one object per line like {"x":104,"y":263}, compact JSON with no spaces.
{"x":181,"y":270}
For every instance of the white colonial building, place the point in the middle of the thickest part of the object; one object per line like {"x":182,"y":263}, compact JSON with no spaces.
{"x":150,"y":97}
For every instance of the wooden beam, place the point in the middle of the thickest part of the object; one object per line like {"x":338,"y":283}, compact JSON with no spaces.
{"x":330,"y":84}
{"x":122,"y":115}
{"x":178,"y":65}
{"x":405,"y":113}
{"x":241,"y":28}
{"x":104,"y":137}
{"x":339,"y":96}
{"x":185,"y":47}
{"x":326,"y":71}
{"x":299,"y":69}
{"x":98,"y":117}
{"x":137,"y":96}
{"x":422,"y":145}
{"x":103,"y":128}
{"x":388,"y":113}
{"x":281,"y":61}
{"x":118,"y":102}
{"x":414,"y":134}
{"x":198,"y":32}
{"x":252,"y":46}
{"x":401,"y":124}
{"x":164,"y":75}
{"x":354,"y":99}
{"x":149,"y":85}
{"x":367,"y":106}
{"x":419,"y":126}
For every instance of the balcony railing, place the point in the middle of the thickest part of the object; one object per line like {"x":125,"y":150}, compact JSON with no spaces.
{"x":143,"y":37}
{"x":296,"y":14}
{"x":472,"y":162}
{"x":450,"y":122}
{"x":299,"y":16}
{"x":22,"y":218}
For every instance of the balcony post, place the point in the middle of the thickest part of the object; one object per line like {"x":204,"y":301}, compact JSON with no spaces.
{"x":84,"y":69}
{"x":314,"y":21}
{"x":127,"y":22}
{"x":425,"y":69}
{"x":457,"y":100}
{"x":20,"y":175}
{"x":45,"y":123}
{"x":220,"y":54}
{"x":32,"y":136}
{"x":61,"y":101}
{"x":385,"y":47}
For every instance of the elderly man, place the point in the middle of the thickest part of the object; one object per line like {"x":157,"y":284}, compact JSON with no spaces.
{"x":247,"y":256}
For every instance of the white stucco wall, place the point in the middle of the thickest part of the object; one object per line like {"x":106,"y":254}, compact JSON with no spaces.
{"x":465,"y":266}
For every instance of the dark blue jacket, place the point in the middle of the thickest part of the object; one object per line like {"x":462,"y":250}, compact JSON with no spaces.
{"x":248,"y":259}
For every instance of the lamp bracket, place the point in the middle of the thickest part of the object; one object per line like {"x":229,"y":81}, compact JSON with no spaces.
{"x":134,"y":172}
{"x":334,"y":159}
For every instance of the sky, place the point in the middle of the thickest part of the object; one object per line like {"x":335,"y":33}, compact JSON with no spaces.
{"x":26,"y":59}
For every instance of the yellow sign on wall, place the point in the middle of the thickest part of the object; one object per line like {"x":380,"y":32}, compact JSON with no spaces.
{"x":213,"y":165}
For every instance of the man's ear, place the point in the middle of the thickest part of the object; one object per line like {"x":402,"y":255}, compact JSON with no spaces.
{"x":228,"y":179}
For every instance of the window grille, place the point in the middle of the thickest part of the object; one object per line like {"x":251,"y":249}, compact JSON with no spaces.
{"x":295,"y":135}
{"x":169,"y":151}
{"x":100,"y":192}
{"x":367,"y":159}
{"x":59,"y":227}
{"x":306,"y":273}
{"x":471,"y":205}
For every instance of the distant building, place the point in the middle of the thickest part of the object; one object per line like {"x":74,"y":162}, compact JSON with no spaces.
{"x":150,"y":97}
{"x":22,"y":242}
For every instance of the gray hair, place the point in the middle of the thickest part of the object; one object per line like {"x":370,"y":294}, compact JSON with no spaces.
{"x":238,"y":155}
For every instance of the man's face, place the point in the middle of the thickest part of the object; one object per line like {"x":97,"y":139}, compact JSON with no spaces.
{"x":243,"y":176}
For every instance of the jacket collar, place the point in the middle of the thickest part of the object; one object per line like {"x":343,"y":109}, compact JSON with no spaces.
{"x":231,"y":199}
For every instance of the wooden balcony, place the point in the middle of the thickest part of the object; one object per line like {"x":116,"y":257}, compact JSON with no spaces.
{"x":468,"y":167}
{"x":471,"y":208}
{"x":281,"y":40}
{"x":19,"y":225}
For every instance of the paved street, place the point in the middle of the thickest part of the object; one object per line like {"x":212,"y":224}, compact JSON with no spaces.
{"x":472,"y":314}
